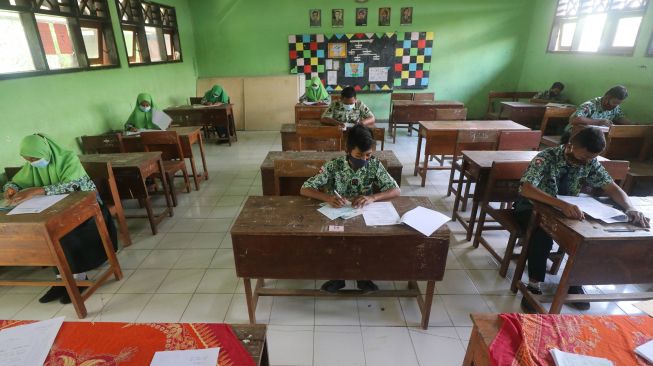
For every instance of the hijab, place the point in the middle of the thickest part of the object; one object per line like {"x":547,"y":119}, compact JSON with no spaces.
{"x":316,"y":95}
{"x":64,"y":164}
{"x":216,"y":94}
{"x":140,"y":119}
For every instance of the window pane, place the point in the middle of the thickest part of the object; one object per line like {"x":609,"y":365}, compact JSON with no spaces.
{"x":590,"y":39}
{"x":91,"y":42}
{"x":15,"y":55}
{"x":153,"y":43}
{"x":168,"y":39}
{"x":626,"y":33}
{"x":129,"y":42}
{"x":567,"y":34}
{"x":57,"y":42}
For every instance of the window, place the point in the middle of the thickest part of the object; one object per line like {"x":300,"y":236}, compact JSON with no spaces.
{"x":597,"y":26}
{"x":150,"y":32}
{"x":44,"y":36}
{"x":649,"y":52}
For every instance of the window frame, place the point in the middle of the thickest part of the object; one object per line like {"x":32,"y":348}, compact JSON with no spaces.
{"x":27,"y":10}
{"x":649,"y":48}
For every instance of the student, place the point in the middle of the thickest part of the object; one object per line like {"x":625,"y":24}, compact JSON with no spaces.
{"x":554,"y":94}
{"x":315,"y":92}
{"x":354,"y":177}
{"x":599,"y":111}
{"x":348,"y":110}
{"x":562,"y":170}
{"x":215,"y":96}
{"x":141,"y":117}
{"x":50,"y":170}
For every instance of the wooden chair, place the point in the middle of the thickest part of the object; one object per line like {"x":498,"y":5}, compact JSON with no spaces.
{"x":222,"y":118}
{"x":519,"y":140}
{"x":424,"y":96}
{"x":552,"y":114}
{"x":172,"y":155}
{"x":195,"y":100}
{"x":448,"y":114}
{"x":284,"y":170}
{"x":379,"y":135}
{"x":105,"y":182}
{"x":103,"y":144}
{"x":627,"y":141}
{"x":495,"y":96}
{"x":502,"y":187}
{"x":438,"y":143}
{"x":402,"y":96}
{"x":323,"y":133}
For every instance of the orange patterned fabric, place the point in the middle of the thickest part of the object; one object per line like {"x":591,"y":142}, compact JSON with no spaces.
{"x":526,"y":339}
{"x":134,"y":344}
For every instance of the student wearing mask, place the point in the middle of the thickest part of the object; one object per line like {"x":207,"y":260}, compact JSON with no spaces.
{"x":215,"y":96}
{"x":50,"y":170}
{"x":141,"y":117}
{"x":553,"y":94}
{"x":348,"y":110}
{"x":315,"y":92}
{"x":352,"y":178}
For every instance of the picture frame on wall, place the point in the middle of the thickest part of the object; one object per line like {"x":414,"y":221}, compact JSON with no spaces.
{"x":337,"y":18}
{"x":406,"y":16}
{"x":361,"y":17}
{"x":315,"y":17}
{"x":384,"y":17}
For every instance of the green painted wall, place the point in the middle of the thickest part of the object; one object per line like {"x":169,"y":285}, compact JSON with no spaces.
{"x":587,"y":76}
{"x":478,"y":45}
{"x":67,"y":106}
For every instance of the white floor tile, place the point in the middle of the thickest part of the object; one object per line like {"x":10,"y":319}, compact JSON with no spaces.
{"x":223,"y":258}
{"x":175,"y":241}
{"x":123,"y":308}
{"x":455,"y":282}
{"x":293,"y":311}
{"x":207,"y":240}
{"x":488,"y":282}
{"x":290,"y":345}
{"x":377,"y":311}
{"x":143,"y":281}
{"x":218,"y":281}
{"x":34,"y":310}
{"x":10,"y":304}
{"x":438,"y":346}
{"x":460,"y":306}
{"x":438,"y":317}
{"x":164,"y":308}
{"x":181,"y":281}
{"x":207,"y":308}
{"x":94,"y":306}
{"x":238,"y":314}
{"x":131,"y":259}
{"x":338,"y":346}
{"x":161,"y":259}
{"x":336,"y":311}
{"x":388,"y":346}
{"x":215,"y":225}
{"x":195,"y":259}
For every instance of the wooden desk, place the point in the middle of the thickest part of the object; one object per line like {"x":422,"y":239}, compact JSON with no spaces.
{"x":34,"y":240}
{"x":309,"y":112}
{"x":284,"y":237}
{"x":292,"y":186}
{"x":290,"y":141}
{"x":596,"y":257}
{"x":207,"y":116}
{"x":485,"y":330}
{"x":525,"y":113}
{"x":409,"y":112}
{"x":130,"y":171}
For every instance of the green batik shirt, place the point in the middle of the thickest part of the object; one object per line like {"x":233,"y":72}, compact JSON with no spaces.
{"x":84,"y":184}
{"x":546,"y":169}
{"x":338,"y":112}
{"x":594,"y":110}
{"x":337,"y":175}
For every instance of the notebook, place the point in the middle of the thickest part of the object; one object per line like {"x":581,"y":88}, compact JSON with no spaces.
{"x":571,"y":359}
{"x":646,"y":351}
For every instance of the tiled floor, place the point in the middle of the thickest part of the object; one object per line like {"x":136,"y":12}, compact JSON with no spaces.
{"x":186,"y":273}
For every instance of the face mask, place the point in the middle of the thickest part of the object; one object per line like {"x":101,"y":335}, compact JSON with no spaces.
{"x":357,"y":163}
{"x":315,"y":87}
{"x":41,"y":163}
{"x":216,"y":95}
{"x":144,"y":109}
{"x":349,"y":107}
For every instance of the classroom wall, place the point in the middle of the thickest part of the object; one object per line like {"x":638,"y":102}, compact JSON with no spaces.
{"x":587,"y":76}
{"x":478,"y":44}
{"x":67,"y":106}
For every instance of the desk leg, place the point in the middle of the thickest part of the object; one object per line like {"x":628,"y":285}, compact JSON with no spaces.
{"x":419,"y":151}
{"x":166,"y":188}
{"x":563,"y":287}
{"x":474,"y":347}
{"x":201,"y":144}
{"x":251,"y":307}
{"x":456,"y":201}
{"x":193,"y":169}
{"x":521,"y":262}
{"x":67,"y":278}
{"x":428,"y":300}
{"x":106,"y":242}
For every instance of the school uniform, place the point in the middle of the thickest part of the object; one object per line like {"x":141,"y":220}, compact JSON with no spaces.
{"x":340,"y":113}
{"x":592,"y":109}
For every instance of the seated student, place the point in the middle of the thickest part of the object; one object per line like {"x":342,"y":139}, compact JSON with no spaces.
{"x":599,"y":111}
{"x":141,"y":117}
{"x":554,"y":94}
{"x":215,"y":96}
{"x":354,"y":177}
{"x":348,"y":110}
{"x":315,"y":92}
{"x":561,"y":170}
{"x":50,"y":170}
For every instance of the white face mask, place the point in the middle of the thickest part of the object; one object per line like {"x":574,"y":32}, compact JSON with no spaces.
{"x":315,"y":87}
{"x":41,"y":163}
{"x":349,"y":107}
{"x":144,"y":109}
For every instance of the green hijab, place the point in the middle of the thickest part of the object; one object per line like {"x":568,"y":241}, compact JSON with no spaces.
{"x":140,"y":119}
{"x":316,"y":95}
{"x":64,"y":164}
{"x":216,"y":94}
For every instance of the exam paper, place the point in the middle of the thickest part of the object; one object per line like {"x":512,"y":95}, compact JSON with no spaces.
{"x":29,"y":344}
{"x":596,"y":209}
{"x":645,"y":306}
{"x":161,"y":119}
{"x":191,"y":357}
{"x":646,"y":351}
{"x":306,"y":102}
{"x":346,"y":212}
{"x":424,"y":220}
{"x":571,"y":359}
{"x":36,"y":204}
{"x":380,"y":214}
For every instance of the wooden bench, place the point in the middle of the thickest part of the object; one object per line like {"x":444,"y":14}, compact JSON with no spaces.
{"x":633,"y":143}
{"x":495,"y":96}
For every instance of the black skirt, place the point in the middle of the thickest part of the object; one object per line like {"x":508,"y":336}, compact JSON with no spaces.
{"x":83,"y":246}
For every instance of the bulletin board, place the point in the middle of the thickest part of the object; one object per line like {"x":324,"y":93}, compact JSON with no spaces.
{"x":370,"y":62}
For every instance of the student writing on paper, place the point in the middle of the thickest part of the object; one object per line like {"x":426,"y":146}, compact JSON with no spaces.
{"x":51,"y":169}
{"x":315,"y":92}
{"x":215,"y":96}
{"x":358,"y":177}
{"x":562,"y":170}
{"x":553,"y":94}
{"x":348,"y":110}
{"x":141,"y":116}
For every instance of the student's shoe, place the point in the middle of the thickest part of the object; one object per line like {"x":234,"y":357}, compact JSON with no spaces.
{"x":367,"y":285}
{"x":333,"y":286}
{"x":578,"y":290}
{"x":65,"y":299}
{"x":525,"y":305}
{"x":54,"y":293}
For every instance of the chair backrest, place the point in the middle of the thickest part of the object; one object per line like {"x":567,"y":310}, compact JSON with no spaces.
{"x":10,"y":171}
{"x":450,"y":114}
{"x":477,"y":140}
{"x":558,"y":115}
{"x":102,"y":175}
{"x":519,"y":140}
{"x":379,"y":135}
{"x":413,"y":113}
{"x":195,"y":100}
{"x":628,"y":142}
{"x":424,"y":96}
{"x":335,"y":97}
{"x":441,"y":142}
{"x":618,"y":169}
{"x":402,"y":96}
{"x":103,"y":144}
{"x":303,"y":113}
{"x":284,"y":169}
{"x":329,"y":133}
{"x":504,"y":181}
{"x":165,"y":141}
{"x":514,"y":96}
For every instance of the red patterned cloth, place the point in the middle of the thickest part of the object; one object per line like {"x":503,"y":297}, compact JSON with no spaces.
{"x":127,"y":344}
{"x":526,"y":339}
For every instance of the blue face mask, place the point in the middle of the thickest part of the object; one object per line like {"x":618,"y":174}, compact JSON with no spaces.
{"x":357,"y":163}
{"x":144,"y":109}
{"x":349,"y":107}
{"x":41,"y":163}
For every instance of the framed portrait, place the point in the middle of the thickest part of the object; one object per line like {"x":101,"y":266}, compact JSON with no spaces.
{"x":384,"y":16}
{"x":337,"y":50}
{"x":361,"y":17}
{"x":337,"y":18}
{"x":406,"y":16}
{"x":315,"y":17}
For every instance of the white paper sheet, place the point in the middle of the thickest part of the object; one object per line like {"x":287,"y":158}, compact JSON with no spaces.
{"x":645,"y":306}
{"x":191,"y":357}
{"x":596,"y":209}
{"x":345,"y":212}
{"x":571,"y":359}
{"x":329,"y":64}
{"x":28,"y":345}
{"x":336,"y":65}
{"x":560,"y":105}
{"x":377,"y":74}
{"x":332,"y":78}
{"x":646,"y":351}
{"x":36,"y":204}
{"x":161,"y":119}
{"x":380,"y":214}
{"x":424,"y":220}
{"x":306,"y":102}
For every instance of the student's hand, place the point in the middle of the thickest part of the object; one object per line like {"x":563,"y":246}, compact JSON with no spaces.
{"x":336,"y":202}
{"x":638,"y":218}
{"x":605,"y":122}
{"x":361,"y":201}
{"x":572,"y":211}
{"x":10,"y":192}
{"x":25,"y":194}
{"x":133,"y":129}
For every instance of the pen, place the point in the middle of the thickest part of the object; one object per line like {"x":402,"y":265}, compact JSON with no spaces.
{"x":337,"y":194}
{"x":623,"y":230}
